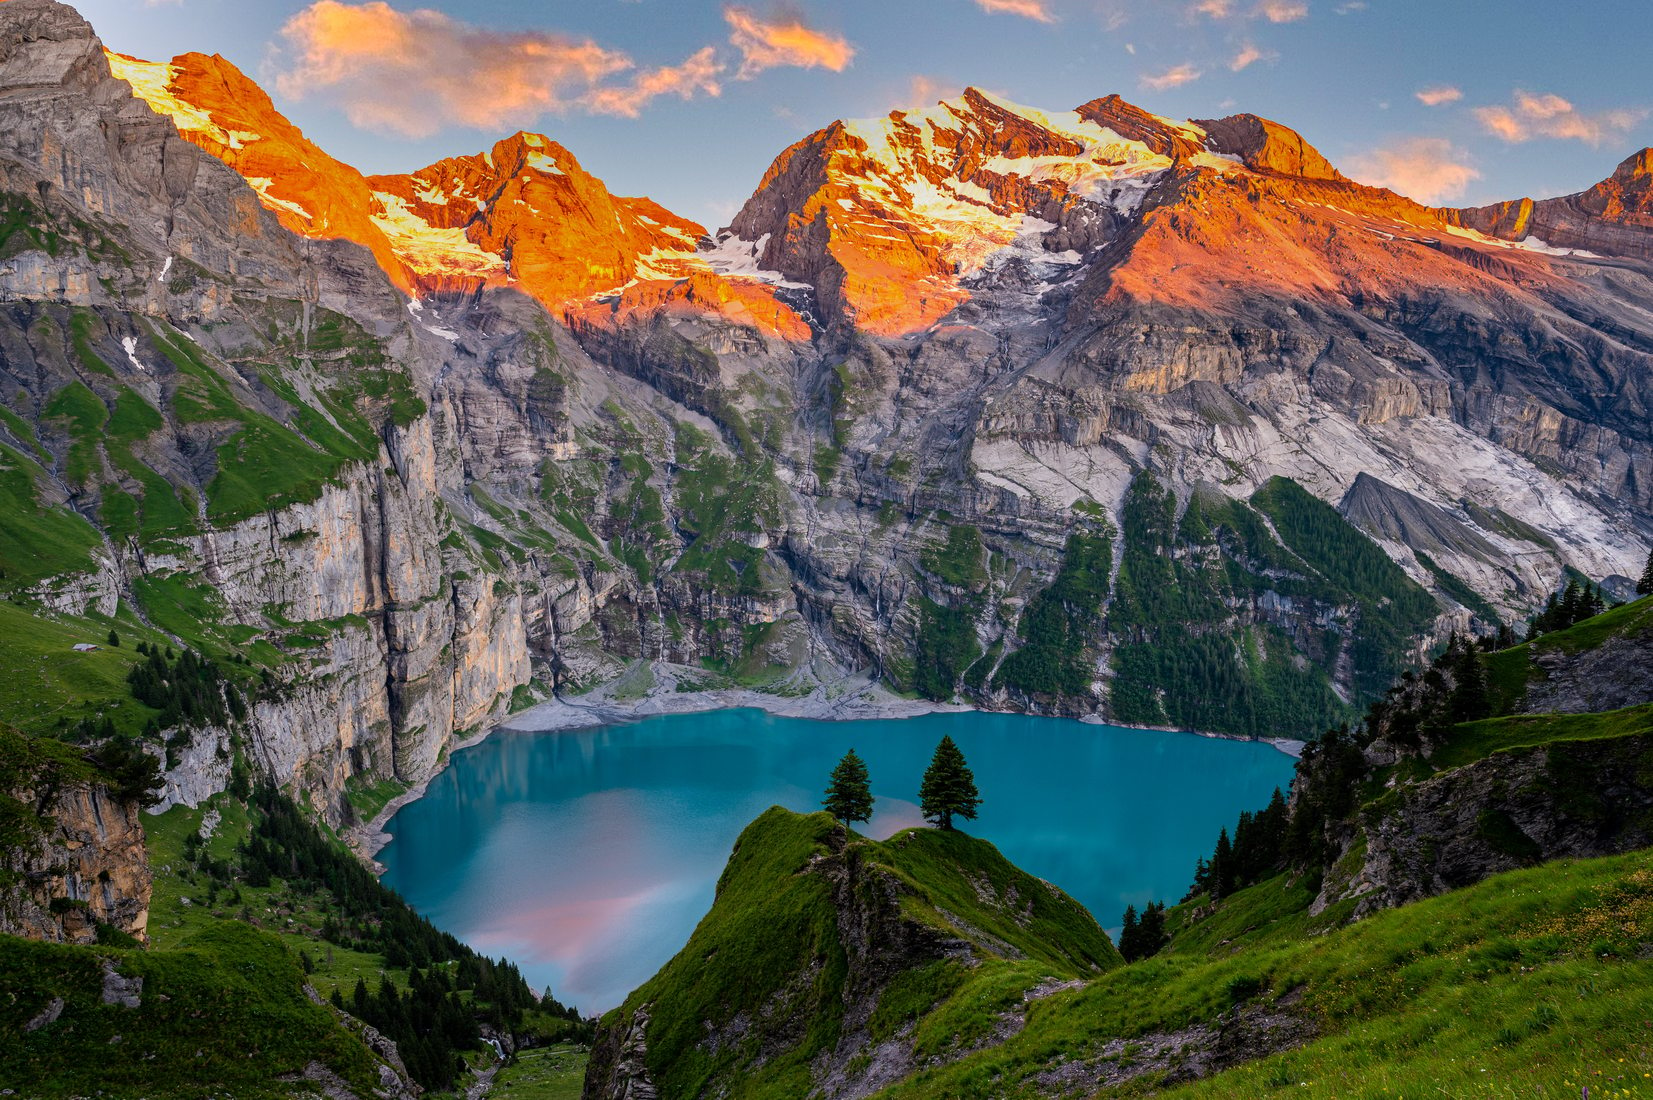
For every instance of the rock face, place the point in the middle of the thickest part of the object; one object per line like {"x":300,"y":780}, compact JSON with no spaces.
{"x":90,"y":868}
{"x":218,"y":109}
{"x":1514,"y":809}
{"x":1618,"y":673}
{"x":1613,"y":218}
{"x":862,"y":428}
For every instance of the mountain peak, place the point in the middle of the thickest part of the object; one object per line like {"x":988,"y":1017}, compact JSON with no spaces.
{"x":1268,"y":146}
{"x":1635,"y":167}
{"x":1162,"y":135}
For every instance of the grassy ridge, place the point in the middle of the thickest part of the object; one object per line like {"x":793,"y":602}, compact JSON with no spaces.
{"x":1528,"y":984}
{"x":772,"y":952}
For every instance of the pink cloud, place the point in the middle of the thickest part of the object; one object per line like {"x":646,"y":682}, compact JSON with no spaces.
{"x":1430,"y":170}
{"x":698,"y":73}
{"x":1174,"y":77}
{"x":415,"y":72}
{"x":783,"y":40}
{"x":1438,"y":94}
{"x":1249,"y":55}
{"x":1283,"y":11}
{"x":1027,"y":9}
{"x":1546,"y":115}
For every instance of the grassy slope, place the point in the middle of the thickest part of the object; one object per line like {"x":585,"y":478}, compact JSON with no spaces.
{"x":1509,"y":671}
{"x":227,"y":970}
{"x":228,"y":1009}
{"x":1528,"y":984}
{"x":771,"y":923}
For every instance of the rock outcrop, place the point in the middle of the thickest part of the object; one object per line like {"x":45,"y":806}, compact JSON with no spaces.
{"x":1515,"y":808}
{"x":847,"y":926}
{"x":89,"y":867}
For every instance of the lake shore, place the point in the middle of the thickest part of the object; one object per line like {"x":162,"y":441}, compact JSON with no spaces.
{"x":650,"y":689}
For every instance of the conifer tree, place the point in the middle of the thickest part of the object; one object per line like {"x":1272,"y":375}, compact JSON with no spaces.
{"x":1150,"y":929}
{"x":848,"y":794}
{"x":1129,"y":936}
{"x":1644,"y":587}
{"x":1222,"y":867}
{"x":949,"y":787}
{"x":1470,"y":699}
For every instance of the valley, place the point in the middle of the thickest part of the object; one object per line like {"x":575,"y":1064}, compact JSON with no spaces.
{"x":331,"y":499}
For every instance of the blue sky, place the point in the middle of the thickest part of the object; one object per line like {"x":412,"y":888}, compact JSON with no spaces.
{"x":688,"y":101}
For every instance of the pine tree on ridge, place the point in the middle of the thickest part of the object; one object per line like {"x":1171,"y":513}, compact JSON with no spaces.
{"x":848,"y":793}
{"x":949,"y":787}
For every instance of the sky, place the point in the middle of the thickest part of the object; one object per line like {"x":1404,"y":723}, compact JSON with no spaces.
{"x":1456,"y":102}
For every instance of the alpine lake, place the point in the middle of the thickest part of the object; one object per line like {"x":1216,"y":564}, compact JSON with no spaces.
{"x":587,"y":857}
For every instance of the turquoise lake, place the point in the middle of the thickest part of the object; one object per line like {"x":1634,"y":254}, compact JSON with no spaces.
{"x":587,"y":857}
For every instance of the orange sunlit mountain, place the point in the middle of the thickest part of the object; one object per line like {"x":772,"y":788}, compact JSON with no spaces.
{"x":894,"y":224}
{"x":522,"y":214}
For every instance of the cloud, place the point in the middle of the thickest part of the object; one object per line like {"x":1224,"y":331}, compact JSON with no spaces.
{"x":925,"y":90}
{"x":1438,"y":94}
{"x":1430,"y":170}
{"x":698,"y":73}
{"x":1283,"y":11}
{"x":1214,"y":9}
{"x":415,"y":72}
{"x":1351,"y":7}
{"x":784,"y":40}
{"x":1546,"y":115}
{"x":1249,"y":55}
{"x":1027,"y":9}
{"x":1174,"y":77}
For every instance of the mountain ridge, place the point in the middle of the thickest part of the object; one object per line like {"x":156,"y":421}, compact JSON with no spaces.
{"x":471,"y":490}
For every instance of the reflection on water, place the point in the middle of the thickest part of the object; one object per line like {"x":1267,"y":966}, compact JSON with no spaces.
{"x":588,"y":857}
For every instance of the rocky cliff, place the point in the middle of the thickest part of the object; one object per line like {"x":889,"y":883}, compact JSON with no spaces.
{"x":1613,"y":218}
{"x":1514,"y":809}
{"x":947,"y":399}
{"x":73,"y":863}
{"x":91,"y":868}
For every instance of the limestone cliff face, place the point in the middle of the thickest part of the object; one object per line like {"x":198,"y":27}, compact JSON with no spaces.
{"x":418,"y":651}
{"x":90,"y":868}
{"x":751,"y":447}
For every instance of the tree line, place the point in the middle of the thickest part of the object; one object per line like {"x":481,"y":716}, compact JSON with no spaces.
{"x":1416,"y":711}
{"x":451,"y":990}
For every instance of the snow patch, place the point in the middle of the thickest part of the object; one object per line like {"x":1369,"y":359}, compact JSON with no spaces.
{"x":130,"y":345}
{"x":262,"y":185}
{"x":542,"y":163}
{"x":430,"y":250}
{"x":732,"y":256}
{"x":1533,"y":244}
{"x":165,"y":269}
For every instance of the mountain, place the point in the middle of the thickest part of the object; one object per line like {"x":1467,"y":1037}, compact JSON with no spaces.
{"x":1459,"y":867}
{"x":307,"y":477}
{"x":941,"y":369}
{"x":522,"y":214}
{"x":1612,"y":218}
{"x":219,"y":110}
